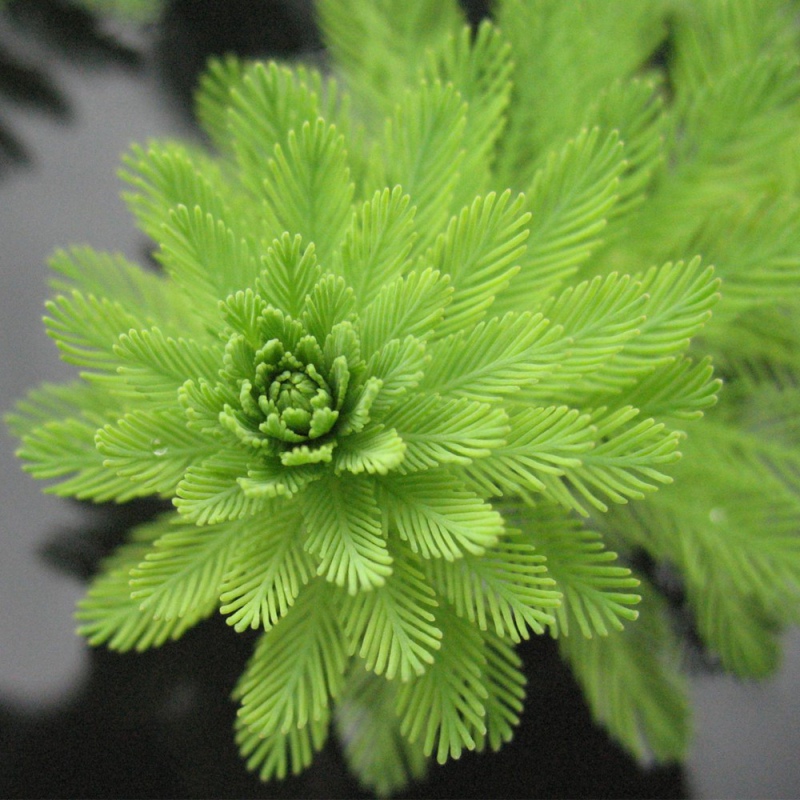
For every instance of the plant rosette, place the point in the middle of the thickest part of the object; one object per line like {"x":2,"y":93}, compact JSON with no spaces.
{"x":390,"y":413}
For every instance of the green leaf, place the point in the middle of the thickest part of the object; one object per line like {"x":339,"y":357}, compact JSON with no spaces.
{"x":596,"y":590}
{"x":625,"y":463}
{"x":562,"y":61}
{"x":343,"y":340}
{"x":438,"y":516}
{"x":243,"y":311}
{"x":735,"y":626}
{"x":394,"y":629}
{"x":493,"y":359}
{"x":308,"y":190}
{"x":109,"y":615}
{"x":505,"y":685}
{"x":680,"y":297}
{"x":569,"y":200}
{"x":440,"y":430}
{"x":375,"y":450}
{"x":740,"y":113}
{"x":680,"y":390}
{"x":54,"y":402}
{"x":168,"y":175}
{"x":267,"y":571}
{"x":422,"y":153}
{"x":636,"y":109}
{"x":357,"y":408}
{"x":594,"y":320}
{"x":153,"y":448}
{"x":621,"y":330}
{"x":346,"y":533}
{"x":66,"y":449}
{"x":380,"y":45}
{"x":479,"y":65}
{"x":211,"y":491}
{"x":155,"y":366}
{"x":258,"y":108}
{"x":478,"y":252}
{"x":755,"y":245}
{"x":206,"y":259}
{"x":444,"y":709}
{"x":289,"y":274}
{"x":507,"y":589}
{"x":86,"y":329}
{"x":183,"y":571}
{"x":541,"y":441}
{"x":297,"y":668}
{"x":271,"y":479}
{"x":202,"y":401}
{"x":377,"y":243}
{"x":751,"y":29}
{"x":399,"y":365}
{"x":369,"y":729}
{"x":329,"y":303}
{"x":216,"y":86}
{"x":408,"y":306}
{"x":276,"y":755}
{"x":58,"y":448}
{"x":631,"y":681}
{"x":143,"y":294}
{"x":734,"y":542}
{"x":732,"y":145}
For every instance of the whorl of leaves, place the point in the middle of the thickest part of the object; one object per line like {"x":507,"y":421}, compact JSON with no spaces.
{"x":412,"y":376}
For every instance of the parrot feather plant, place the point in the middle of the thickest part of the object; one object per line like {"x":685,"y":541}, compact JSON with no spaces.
{"x":430,"y":332}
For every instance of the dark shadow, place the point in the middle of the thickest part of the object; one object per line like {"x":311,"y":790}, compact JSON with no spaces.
{"x":53,"y":27}
{"x":70,"y":31}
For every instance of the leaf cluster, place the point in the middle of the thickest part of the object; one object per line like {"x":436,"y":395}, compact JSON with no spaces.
{"x":428,"y":340}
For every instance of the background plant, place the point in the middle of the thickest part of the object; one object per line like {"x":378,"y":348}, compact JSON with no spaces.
{"x":567,"y":442}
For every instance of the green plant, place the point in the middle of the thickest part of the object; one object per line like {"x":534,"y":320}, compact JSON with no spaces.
{"x":401,"y":379}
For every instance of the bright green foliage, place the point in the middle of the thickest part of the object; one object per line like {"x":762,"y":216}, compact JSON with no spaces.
{"x":411,"y":375}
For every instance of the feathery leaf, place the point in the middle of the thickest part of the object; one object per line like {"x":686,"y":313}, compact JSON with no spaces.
{"x":569,"y":200}
{"x":376,"y":450}
{"x":369,"y":729}
{"x":596,"y":590}
{"x":632,"y":685}
{"x":309,"y":190}
{"x":438,"y":516}
{"x":494,"y":359}
{"x":211,"y":490}
{"x":394,"y":631}
{"x":153,"y":448}
{"x":377,"y":243}
{"x":444,"y":708}
{"x":345,"y":532}
{"x":296,"y":668}
{"x":408,"y":306}
{"x":266,"y":572}
{"x":183,"y":571}
{"x":507,"y":588}
{"x":439,"y":430}
{"x":422,"y":153}
{"x":478,"y":251}
{"x":109,"y":615}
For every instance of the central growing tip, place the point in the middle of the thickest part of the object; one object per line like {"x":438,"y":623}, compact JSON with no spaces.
{"x":294,"y":398}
